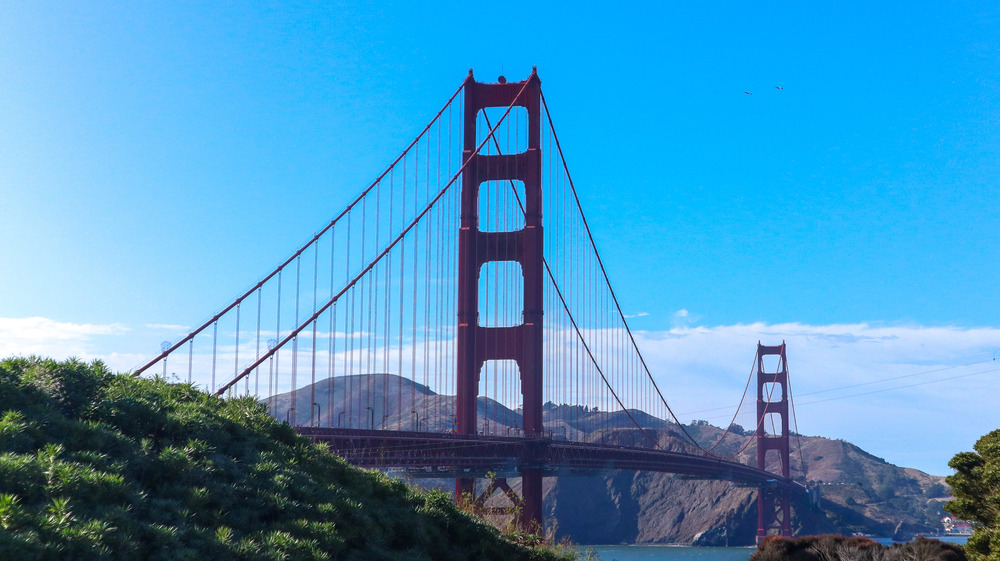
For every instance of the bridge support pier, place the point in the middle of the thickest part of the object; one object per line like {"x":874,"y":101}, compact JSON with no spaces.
{"x":527,"y":507}
{"x":465,"y":490}
{"x":774,"y":511}
{"x":520,"y":343}
{"x":531,"y":504}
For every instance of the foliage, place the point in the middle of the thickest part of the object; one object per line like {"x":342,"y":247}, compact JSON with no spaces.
{"x":840,"y":548}
{"x":101,"y":466}
{"x":934,"y":512}
{"x":976,"y":486}
{"x":936,"y":491}
{"x":739,"y":430}
{"x":506,"y":519}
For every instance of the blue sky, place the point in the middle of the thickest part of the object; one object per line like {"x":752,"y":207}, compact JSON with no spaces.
{"x":156,"y":160}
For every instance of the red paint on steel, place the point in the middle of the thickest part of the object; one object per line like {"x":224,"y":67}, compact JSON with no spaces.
{"x":445,"y":454}
{"x":774,"y":510}
{"x":521,"y":343}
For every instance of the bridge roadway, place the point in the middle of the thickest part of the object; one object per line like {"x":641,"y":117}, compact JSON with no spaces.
{"x":425,"y":454}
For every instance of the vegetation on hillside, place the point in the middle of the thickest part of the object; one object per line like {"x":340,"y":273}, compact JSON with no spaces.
{"x":840,"y":548}
{"x":95,"y":465}
{"x":976,"y":486}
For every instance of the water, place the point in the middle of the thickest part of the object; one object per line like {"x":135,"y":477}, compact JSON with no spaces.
{"x":687,"y":553}
{"x":671,"y":553}
{"x":960,"y":540}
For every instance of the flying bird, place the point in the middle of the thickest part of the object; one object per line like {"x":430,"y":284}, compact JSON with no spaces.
{"x":748,"y":93}
{"x":778,"y":88}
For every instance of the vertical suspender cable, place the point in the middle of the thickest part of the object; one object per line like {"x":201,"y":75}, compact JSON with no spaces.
{"x":332,"y":337}
{"x":402,"y":282}
{"x":428,"y":284}
{"x":384,"y":335}
{"x":215,"y":339}
{"x":256,"y":387}
{"x":312,"y":373}
{"x":348,"y":328}
{"x":236,"y":359}
{"x":387,"y":313}
{"x":416,"y":261}
{"x":273,"y":377}
{"x":372,"y":318}
{"x":295,"y":342}
{"x":370,"y":328}
{"x":600,"y":263}
{"x":438,"y":302}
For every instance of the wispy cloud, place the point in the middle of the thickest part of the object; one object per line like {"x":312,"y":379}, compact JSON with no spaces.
{"x":683,"y":318}
{"x":43,"y":336}
{"x":168,"y":327}
{"x":897,"y":390}
{"x":913,"y":394}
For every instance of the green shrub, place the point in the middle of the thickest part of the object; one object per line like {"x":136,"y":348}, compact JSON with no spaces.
{"x":840,"y":548}
{"x":108,"y":467}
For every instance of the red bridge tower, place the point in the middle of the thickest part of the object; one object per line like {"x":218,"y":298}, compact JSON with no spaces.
{"x":521,"y":343}
{"x":774,"y":510}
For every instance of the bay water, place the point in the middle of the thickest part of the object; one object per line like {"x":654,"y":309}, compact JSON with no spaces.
{"x":688,"y":553}
{"x":670,"y":553}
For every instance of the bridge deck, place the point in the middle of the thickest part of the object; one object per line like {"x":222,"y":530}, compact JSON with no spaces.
{"x":455,"y":455}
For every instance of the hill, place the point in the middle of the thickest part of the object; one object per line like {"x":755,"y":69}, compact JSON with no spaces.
{"x":98,"y":466}
{"x":861,"y":493}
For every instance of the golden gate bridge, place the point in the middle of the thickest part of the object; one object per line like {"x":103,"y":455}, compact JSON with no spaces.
{"x":444,"y":324}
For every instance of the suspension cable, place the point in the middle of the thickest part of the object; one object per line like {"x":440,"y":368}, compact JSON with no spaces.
{"x":312,"y":240}
{"x":600,"y":262}
{"x":379,"y":257}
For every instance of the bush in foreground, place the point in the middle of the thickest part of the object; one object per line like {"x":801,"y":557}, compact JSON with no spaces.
{"x":840,"y":548}
{"x":95,"y":465}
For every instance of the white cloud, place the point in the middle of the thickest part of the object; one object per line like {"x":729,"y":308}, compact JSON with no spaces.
{"x":683,"y":318}
{"x":123,"y":362}
{"x":43,"y":336}
{"x":910,"y":393}
{"x":913,"y":394}
{"x":168,"y":327}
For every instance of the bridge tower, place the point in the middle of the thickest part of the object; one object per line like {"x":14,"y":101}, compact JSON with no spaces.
{"x":774,"y":510}
{"x":521,"y":343}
